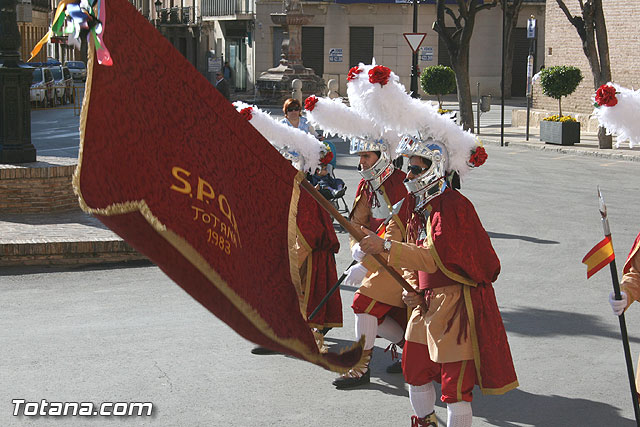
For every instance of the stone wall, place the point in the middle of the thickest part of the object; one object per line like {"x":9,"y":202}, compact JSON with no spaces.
{"x":564,"y":47}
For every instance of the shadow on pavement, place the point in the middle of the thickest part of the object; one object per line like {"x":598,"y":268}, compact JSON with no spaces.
{"x":525,"y":238}
{"x":36,"y":269}
{"x":519,"y":407}
{"x":536,"y":322}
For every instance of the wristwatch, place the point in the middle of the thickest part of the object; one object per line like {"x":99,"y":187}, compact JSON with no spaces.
{"x":386,"y":246}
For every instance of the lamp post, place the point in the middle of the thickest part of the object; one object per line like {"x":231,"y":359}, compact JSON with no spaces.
{"x":531,"y":35}
{"x":504,"y":19}
{"x":15,"y":84}
{"x":158,"y":5}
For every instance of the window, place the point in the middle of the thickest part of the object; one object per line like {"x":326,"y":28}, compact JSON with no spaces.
{"x":313,"y":49}
{"x":360,"y":45}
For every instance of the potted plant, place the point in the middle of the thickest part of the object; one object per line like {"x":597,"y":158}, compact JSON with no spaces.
{"x":438,"y":80}
{"x":556,"y":82}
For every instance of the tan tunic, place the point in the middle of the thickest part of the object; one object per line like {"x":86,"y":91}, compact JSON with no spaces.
{"x":378,"y":284}
{"x":630,"y":284}
{"x":429,"y":328}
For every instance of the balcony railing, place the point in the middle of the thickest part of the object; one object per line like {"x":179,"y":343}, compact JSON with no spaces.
{"x":227,"y":7}
{"x":43,"y":5}
{"x":179,"y":16}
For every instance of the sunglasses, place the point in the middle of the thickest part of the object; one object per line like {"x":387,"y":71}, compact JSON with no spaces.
{"x":416,"y":170}
{"x":290,"y":109}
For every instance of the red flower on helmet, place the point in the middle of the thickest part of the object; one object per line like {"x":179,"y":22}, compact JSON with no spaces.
{"x":353,"y":73}
{"x":606,"y":95}
{"x":310,"y":103}
{"x":247,"y":113}
{"x":478,"y":157}
{"x":326,"y":159}
{"x":379,"y":74}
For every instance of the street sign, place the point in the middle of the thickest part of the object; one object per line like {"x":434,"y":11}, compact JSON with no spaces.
{"x":414,"y":40}
{"x":529,"y":75}
{"x":335,"y":54}
{"x":426,"y":53}
{"x":531,"y":28}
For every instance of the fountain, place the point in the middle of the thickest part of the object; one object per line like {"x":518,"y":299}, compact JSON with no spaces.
{"x":275,"y":83}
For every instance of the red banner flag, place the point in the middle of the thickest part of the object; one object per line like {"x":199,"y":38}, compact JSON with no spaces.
{"x":598,"y":257}
{"x":168,"y":164}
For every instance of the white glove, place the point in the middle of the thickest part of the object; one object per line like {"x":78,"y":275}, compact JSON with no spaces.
{"x":355,"y":274}
{"x":356,"y":253}
{"x":618,"y":306}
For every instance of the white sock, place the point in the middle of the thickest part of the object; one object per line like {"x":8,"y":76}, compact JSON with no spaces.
{"x":459,"y":414}
{"x":391,"y":330}
{"x":422,"y":398}
{"x":366,"y":325}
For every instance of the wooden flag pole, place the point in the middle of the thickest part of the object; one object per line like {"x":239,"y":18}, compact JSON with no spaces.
{"x":357,"y":234}
{"x":623,"y":324}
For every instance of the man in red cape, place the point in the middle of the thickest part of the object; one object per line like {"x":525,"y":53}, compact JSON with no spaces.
{"x":455,"y":335}
{"x":377,"y":303}
{"x":169,"y":165}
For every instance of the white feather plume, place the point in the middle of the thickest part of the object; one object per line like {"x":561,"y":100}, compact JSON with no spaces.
{"x":285,"y":138}
{"x":392,"y":107}
{"x":336,"y":118}
{"x":623,"y":119}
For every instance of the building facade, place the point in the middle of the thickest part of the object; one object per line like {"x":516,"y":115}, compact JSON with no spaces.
{"x":564,"y":47}
{"x":346,"y":32}
{"x":34,"y":18}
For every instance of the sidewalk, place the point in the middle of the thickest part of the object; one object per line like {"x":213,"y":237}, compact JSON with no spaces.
{"x":76,"y":238}
{"x":588,"y":146}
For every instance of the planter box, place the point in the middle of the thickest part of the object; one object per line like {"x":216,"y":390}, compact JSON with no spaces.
{"x":562,"y":133}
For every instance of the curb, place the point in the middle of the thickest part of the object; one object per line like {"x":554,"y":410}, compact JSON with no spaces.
{"x":587,"y":151}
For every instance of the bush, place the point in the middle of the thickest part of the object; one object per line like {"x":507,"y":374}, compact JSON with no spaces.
{"x":559,"y":81}
{"x":438,"y":80}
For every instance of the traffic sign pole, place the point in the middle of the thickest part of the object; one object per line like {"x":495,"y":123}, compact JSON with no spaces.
{"x":414,"y":40}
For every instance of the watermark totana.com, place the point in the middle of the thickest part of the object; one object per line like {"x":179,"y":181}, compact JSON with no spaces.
{"x":45,"y":408}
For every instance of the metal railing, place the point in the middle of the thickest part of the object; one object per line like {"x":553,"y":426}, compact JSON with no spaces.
{"x":227,"y":7}
{"x":179,"y":16}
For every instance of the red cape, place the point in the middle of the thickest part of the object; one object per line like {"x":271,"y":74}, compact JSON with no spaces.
{"x":634,"y":250}
{"x":463,"y":252}
{"x":316,"y":226}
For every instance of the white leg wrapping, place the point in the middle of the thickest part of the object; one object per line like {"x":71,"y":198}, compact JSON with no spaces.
{"x":391,"y":330}
{"x":366,"y":325}
{"x":459,"y":414}
{"x":423,"y":399}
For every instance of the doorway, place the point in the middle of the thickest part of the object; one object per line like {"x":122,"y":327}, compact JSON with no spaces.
{"x":237,"y":57}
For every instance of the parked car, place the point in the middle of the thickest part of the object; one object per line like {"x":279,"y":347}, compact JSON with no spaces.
{"x":42,"y":87}
{"x":78,"y":69}
{"x":63,"y":84}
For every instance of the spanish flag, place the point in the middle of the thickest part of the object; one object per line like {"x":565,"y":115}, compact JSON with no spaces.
{"x":598,"y":257}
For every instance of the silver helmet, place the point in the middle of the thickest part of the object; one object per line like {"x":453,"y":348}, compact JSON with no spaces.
{"x":432,"y":182}
{"x":383,"y":167}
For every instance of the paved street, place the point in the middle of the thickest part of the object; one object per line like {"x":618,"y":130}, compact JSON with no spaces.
{"x":130,"y":334}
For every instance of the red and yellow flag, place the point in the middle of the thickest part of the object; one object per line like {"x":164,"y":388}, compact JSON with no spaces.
{"x":598,"y":257}
{"x":168,"y":164}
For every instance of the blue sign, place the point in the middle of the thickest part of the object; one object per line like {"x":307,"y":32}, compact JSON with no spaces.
{"x":335,"y":54}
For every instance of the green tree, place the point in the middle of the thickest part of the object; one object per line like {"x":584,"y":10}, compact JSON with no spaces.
{"x":438,"y":80}
{"x":559,"y":81}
